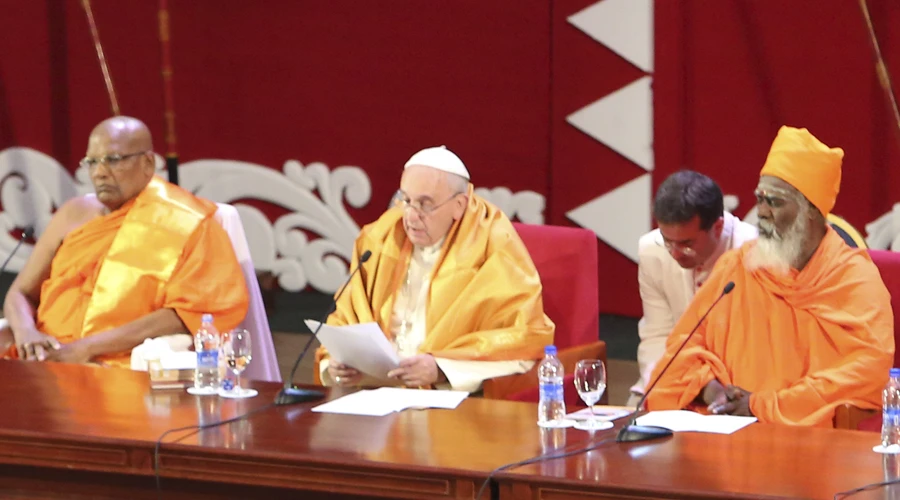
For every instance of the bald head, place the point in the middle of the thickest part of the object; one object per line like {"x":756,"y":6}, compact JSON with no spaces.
{"x":126,"y":130}
{"x":120,"y":159}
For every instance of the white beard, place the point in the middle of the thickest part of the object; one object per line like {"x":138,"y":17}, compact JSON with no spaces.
{"x":775,"y":252}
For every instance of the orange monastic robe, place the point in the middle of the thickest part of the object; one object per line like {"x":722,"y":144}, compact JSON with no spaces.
{"x":161,"y":250}
{"x":802,"y":344}
{"x":484,"y":303}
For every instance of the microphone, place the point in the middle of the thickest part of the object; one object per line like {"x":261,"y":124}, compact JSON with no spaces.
{"x":292,"y":394}
{"x":28,"y":232}
{"x":632,"y":432}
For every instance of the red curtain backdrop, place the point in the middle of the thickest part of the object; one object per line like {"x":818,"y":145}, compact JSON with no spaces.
{"x":368,"y":83}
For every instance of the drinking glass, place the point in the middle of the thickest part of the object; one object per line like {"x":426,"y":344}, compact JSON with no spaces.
{"x":236,"y":350}
{"x":590,"y":382}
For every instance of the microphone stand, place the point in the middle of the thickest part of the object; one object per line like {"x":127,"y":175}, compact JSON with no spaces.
{"x":291,"y":394}
{"x":633,"y":432}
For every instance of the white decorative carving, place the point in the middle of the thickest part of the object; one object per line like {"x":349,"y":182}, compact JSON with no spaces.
{"x":527,"y":206}
{"x":33,"y":186}
{"x":884,"y":232}
{"x":290,"y":254}
{"x":310,"y":245}
{"x":731,"y":202}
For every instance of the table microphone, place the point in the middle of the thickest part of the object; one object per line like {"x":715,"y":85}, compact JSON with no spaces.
{"x":632,"y":432}
{"x":28,"y":232}
{"x":291,"y":394}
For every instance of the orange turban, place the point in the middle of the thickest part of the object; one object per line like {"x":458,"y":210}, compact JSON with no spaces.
{"x":804,"y":162}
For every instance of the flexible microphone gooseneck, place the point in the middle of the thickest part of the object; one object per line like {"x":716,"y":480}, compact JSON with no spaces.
{"x":633,"y":432}
{"x":28,"y":232}
{"x":292,"y":394}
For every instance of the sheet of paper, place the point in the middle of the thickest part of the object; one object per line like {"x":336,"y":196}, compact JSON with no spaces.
{"x":362,"y":346}
{"x":359,"y":403}
{"x":386,"y":400}
{"x":602,"y":413}
{"x":689,"y":421}
{"x":420,"y":398}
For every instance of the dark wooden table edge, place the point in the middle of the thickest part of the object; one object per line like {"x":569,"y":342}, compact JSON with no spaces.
{"x":279,"y":470}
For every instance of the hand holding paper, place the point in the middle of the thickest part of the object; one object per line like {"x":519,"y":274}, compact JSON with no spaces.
{"x":363,"y":347}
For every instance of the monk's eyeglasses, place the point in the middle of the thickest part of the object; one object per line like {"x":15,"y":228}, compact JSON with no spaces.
{"x":774,"y":198}
{"x":112,"y":161}
{"x":423,"y":208}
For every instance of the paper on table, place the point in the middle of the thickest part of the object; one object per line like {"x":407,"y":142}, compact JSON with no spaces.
{"x":359,"y":403}
{"x":689,"y":421}
{"x":421,"y":398}
{"x":362,"y":346}
{"x":601,"y":412}
{"x":386,"y":400}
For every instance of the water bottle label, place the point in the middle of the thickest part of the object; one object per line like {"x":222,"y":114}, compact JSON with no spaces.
{"x":551,"y":392}
{"x":891,"y":416}
{"x":208,"y":359}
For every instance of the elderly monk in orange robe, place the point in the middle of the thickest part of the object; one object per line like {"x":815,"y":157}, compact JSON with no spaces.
{"x":449,"y":281}
{"x":808,"y":326}
{"x":139,"y":259}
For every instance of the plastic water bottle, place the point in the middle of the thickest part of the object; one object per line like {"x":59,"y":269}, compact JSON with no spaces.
{"x":206,"y":343}
{"x":890,"y":413}
{"x":552,"y":406}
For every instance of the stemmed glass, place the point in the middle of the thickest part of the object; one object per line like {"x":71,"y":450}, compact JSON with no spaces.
{"x":590,"y":382}
{"x":237,"y":352}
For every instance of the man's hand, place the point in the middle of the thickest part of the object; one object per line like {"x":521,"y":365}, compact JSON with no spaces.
{"x":33,"y":345}
{"x":343,"y":374}
{"x":417,"y":371}
{"x":74,"y":352}
{"x":737,"y":403}
{"x":714,"y":394}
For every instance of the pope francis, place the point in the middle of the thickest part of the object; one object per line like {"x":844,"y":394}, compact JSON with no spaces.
{"x":449,"y":281}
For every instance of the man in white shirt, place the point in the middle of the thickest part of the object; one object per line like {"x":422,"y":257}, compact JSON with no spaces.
{"x":675,"y":259}
{"x":450,"y":283}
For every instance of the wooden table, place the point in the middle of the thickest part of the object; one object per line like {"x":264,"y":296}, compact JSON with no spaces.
{"x":759,"y":461}
{"x":69,"y":431}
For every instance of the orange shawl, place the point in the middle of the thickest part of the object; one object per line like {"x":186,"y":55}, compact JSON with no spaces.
{"x":485,"y":297}
{"x":161,"y":250}
{"x":802,"y":344}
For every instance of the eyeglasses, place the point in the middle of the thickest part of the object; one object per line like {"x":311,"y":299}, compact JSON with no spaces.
{"x":113,"y":161}
{"x":683,"y":248}
{"x":422,"y":207}
{"x":774,"y":198}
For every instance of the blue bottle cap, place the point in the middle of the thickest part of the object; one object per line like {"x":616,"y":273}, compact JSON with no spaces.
{"x":895,"y":372}
{"x":550,"y":349}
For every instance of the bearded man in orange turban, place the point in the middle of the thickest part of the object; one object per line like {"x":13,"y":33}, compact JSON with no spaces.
{"x":450,"y":283}
{"x":809,"y":324}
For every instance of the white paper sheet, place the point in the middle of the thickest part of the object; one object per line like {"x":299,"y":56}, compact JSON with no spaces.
{"x":362,"y":346}
{"x":689,"y":421}
{"x":386,"y":400}
{"x":359,"y":403}
{"x":421,"y":398}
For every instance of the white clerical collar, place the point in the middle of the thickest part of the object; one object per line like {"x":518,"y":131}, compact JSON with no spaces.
{"x":429,"y":253}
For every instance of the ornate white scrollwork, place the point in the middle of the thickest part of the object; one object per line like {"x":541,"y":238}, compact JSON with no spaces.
{"x":527,"y":206}
{"x":309,"y":245}
{"x":284,"y":248}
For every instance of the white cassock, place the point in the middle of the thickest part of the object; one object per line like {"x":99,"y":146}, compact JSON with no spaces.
{"x":408,"y":331}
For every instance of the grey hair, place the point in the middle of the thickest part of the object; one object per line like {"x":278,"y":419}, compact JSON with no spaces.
{"x":457,"y":183}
